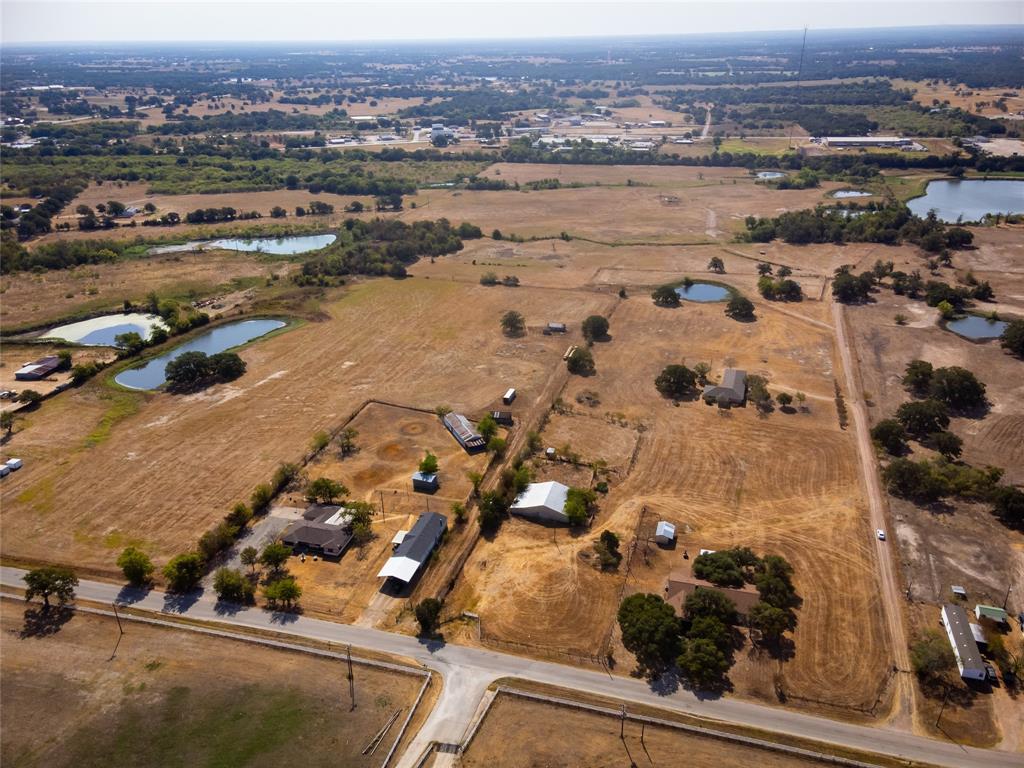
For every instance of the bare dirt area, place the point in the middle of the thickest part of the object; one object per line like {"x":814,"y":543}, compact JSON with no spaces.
{"x":30,"y":300}
{"x":171,"y":697}
{"x":107,"y":464}
{"x":786,"y":483}
{"x":520,"y":733}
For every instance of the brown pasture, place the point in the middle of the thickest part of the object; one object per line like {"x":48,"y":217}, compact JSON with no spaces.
{"x":961,"y":96}
{"x":30,"y":300}
{"x":520,"y":734}
{"x":107,"y":466}
{"x":68,"y":701}
{"x":786,"y":484}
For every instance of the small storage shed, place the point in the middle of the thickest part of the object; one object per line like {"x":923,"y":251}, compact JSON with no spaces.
{"x":992,"y":613}
{"x":4,"y":470}
{"x":502,"y":417}
{"x":665,"y":533}
{"x":424,"y":483}
{"x":979,"y":637}
{"x":509,"y":396}
{"x":959,"y":592}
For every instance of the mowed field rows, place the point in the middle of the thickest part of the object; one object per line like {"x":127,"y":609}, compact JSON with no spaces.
{"x":104,"y":467}
{"x":784,"y":484}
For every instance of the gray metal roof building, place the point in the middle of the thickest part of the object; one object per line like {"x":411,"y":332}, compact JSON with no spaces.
{"x":463,"y":431}
{"x":965,"y":649}
{"x":416,"y":548}
{"x":733,"y":388}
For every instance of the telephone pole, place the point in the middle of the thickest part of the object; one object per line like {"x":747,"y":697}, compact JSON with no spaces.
{"x":351,"y":680}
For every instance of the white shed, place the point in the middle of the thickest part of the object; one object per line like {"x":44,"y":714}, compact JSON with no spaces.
{"x":665,"y":533}
{"x":542,"y":501}
{"x":13,"y":464}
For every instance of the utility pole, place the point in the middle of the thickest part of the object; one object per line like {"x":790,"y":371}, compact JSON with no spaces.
{"x":381,"y":492}
{"x":116,"y":616}
{"x":622,"y":724}
{"x":1007,"y":598}
{"x":351,"y":679}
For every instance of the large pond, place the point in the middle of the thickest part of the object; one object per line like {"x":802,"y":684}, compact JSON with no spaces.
{"x":277,"y":246}
{"x":843,"y":194}
{"x":702,"y":292}
{"x":970,"y":199}
{"x":101,"y":331}
{"x":977,"y":328}
{"x":153,"y":373}
{"x":770,"y":175}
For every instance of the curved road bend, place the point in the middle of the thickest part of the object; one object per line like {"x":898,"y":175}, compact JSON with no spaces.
{"x":467,"y":671}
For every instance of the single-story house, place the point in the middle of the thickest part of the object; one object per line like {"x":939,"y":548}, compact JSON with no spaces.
{"x":992,"y":613}
{"x":40,"y":369}
{"x":961,"y":639}
{"x":732,"y":390}
{"x":665,"y":533}
{"x":425,"y":483}
{"x":542,"y":501}
{"x":415,"y":548}
{"x":502,"y":417}
{"x":326,"y":529}
{"x":464,"y":431}
{"x":682,"y":583}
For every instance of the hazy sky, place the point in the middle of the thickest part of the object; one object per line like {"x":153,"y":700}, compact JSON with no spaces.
{"x":250,"y":20}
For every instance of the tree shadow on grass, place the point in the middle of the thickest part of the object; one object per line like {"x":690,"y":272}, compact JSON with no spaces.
{"x":43,"y":622}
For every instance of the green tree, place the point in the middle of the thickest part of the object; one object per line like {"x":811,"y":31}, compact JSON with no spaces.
{"x":923,"y":418}
{"x":129,"y":343}
{"x":665,"y":296}
{"x":428,"y":464}
{"x":607,"y":549}
{"x":595,"y":328}
{"x":7,"y":422}
{"x":716,"y":265}
{"x":701,"y":371}
{"x":323,"y":490}
{"x":890,"y":435}
{"x":184,"y":571}
{"x":239,"y":516}
{"x":675,"y":381}
{"x":957,"y":387}
{"x":784,"y":399}
{"x":459,"y":512}
{"x":489,"y":278}
{"x":581,"y":362}
{"x":30,"y":397}
{"x":770,"y":621}
{"x":188,"y":370}
{"x":232,"y":586}
{"x":283,"y":593}
{"x":774,"y":582}
{"x":487,"y":427}
{"x":650,"y":630}
{"x":262,"y":495}
{"x":320,"y":441}
{"x":915,"y":480}
{"x":740,"y":308}
{"x":946,"y":310}
{"x":709,"y":602}
{"x":497,"y":445}
{"x":711,"y":628}
{"x":250,"y":557}
{"x":947,"y":444}
{"x":1012,"y":338}
{"x":475,"y":478}
{"x":513,"y":324}
{"x":930,"y":655}
{"x":702,"y":663}
{"x":347,"y":441}
{"x":764,"y":268}
{"x":275,"y":555}
{"x":136,"y":566}
{"x":493,"y":509}
{"x":428,"y":616}
{"x":50,"y":581}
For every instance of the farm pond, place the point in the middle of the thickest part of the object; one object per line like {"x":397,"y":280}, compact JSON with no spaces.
{"x":969,"y":199}
{"x":702,"y":292}
{"x":276,"y":246}
{"x":101,"y":331}
{"x":153,"y":373}
{"x":977,"y":328}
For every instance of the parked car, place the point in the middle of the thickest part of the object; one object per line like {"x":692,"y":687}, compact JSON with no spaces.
{"x":881,"y":534}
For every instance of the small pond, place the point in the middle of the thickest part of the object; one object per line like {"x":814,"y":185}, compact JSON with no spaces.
{"x":152,"y":374}
{"x":101,"y":331}
{"x":278,"y":246}
{"x":977,"y":328}
{"x":702,"y":292}
{"x":970,"y":199}
{"x":770,"y":175}
{"x":843,"y":194}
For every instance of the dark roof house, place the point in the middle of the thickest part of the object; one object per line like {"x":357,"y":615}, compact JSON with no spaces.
{"x":416,"y":548}
{"x":40,"y":369}
{"x":326,"y":529}
{"x":732,"y":390}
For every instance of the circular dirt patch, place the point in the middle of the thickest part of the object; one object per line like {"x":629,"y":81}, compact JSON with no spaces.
{"x":412,"y":428}
{"x":393,"y":451}
{"x":371,"y":476}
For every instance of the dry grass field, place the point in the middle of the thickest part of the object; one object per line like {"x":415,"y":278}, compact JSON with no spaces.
{"x":786,"y":484}
{"x":169,"y":697}
{"x":520,"y":733}
{"x":29,"y":300}
{"x":104,"y":466}
{"x":961,"y":96}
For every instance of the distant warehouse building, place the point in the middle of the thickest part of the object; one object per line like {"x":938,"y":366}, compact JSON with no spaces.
{"x":40,"y":369}
{"x":464,"y":431}
{"x":867,"y":141}
{"x":965,"y":649}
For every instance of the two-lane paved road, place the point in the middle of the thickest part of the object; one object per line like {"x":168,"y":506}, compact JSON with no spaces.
{"x":465,"y":669}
